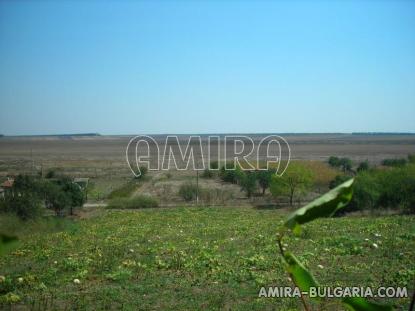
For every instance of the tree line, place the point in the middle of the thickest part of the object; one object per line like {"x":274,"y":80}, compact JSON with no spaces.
{"x":29,"y":194}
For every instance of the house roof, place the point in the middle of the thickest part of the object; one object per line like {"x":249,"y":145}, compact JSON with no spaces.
{"x":8,"y":183}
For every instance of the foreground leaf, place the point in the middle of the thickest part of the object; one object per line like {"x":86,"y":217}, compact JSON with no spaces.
{"x":361,"y":304}
{"x":301,"y":276}
{"x":324,"y":206}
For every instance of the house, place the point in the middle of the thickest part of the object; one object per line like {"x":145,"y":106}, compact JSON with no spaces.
{"x":8,"y":183}
{"x":6,"y":186}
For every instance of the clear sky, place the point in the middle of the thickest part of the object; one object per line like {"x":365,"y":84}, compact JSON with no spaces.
{"x":206,"y":66}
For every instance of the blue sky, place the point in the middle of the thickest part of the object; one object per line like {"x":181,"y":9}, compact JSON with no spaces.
{"x":206,"y":66}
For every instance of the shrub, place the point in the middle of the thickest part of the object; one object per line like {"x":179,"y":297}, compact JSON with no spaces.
{"x":214,"y":165}
{"x":392,"y":188}
{"x":344,"y":163}
{"x":363,"y":166}
{"x":50,"y":174}
{"x":143,"y":171}
{"x":26,"y":206}
{"x":188,"y":191}
{"x":230,"y":173}
{"x":367,"y":191}
{"x":140,"y":201}
{"x":334,"y":161}
{"x":207,"y":173}
{"x":394,"y":162}
{"x":125,"y":190}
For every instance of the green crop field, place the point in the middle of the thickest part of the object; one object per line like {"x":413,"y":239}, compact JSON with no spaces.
{"x":199,"y":258}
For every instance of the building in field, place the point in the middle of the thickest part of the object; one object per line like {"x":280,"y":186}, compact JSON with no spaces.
{"x":6,"y":186}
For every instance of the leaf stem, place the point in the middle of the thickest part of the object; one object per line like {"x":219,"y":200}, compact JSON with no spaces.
{"x":306,"y":307}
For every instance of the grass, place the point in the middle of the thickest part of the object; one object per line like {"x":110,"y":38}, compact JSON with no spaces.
{"x":139,"y":201}
{"x":200,"y":258}
{"x":124,"y":190}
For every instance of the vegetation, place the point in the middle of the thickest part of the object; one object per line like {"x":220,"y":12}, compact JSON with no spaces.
{"x":363,"y":166}
{"x":344,"y":163}
{"x":264,"y":178}
{"x":297,"y":180}
{"x":248,"y":182}
{"x":188,"y":192}
{"x":29,"y":194}
{"x":386,"y":189}
{"x":140,"y":201}
{"x":339,"y":179}
{"x":214,"y":165}
{"x":394,"y":162}
{"x":325,"y":206}
{"x":230,"y":173}
{"x":207,"y":173}
{"x":126,"y":190}
{"x":199,"y":258}
{"x":143,"y":172}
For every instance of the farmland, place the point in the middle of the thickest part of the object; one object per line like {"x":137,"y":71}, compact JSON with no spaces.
{"x":215,"y":253}
{"x":202,"y":258}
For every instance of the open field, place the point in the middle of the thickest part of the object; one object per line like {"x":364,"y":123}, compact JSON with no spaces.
{"x":215,"y":256}
{"x":201,"y":258}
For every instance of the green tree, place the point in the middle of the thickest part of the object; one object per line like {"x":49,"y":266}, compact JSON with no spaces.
{"x":230,"y":173}
{"x":23,"y":199}
{"x":297,"y":179}
{"x":55,"y":198}
{"x":264,"y":179}
{"x":248,"y":182}
{"x":344,"y":163}
{"x":74,"y":192}
{"x":334,"y":161}
{"x":363,"y":166}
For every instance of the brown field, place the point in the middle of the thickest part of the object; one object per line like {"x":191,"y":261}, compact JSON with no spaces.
{"x":102,"y":159}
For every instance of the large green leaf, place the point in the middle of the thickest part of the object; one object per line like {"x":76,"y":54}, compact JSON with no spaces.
{"x":301,"y":276}
{"x":7,"y":242}
{"x":361,"y":304}
{"x":324,"y":206}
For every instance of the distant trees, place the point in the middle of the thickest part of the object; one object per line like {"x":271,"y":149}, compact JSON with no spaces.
{"x":363,"y":166}
{"x":394,"y":162}
{"x":23,"y":199}
{"x":264,"y":178}
{"x":296,"y":180}
{"x":55,"y":198}
{"x":230,"y":173}
{"x":344,"y":163}
{"x":27,"y":194}
{"x":248,"y":182}
{"x":391,"y":188}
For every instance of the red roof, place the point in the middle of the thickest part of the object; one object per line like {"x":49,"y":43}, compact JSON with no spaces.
{"x":8,"y":183}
